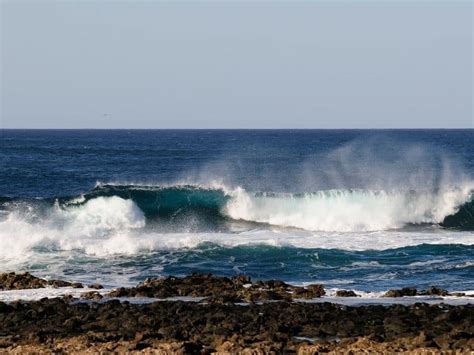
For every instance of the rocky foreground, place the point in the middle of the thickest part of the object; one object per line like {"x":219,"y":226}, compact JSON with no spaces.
{"x":231,"y":318}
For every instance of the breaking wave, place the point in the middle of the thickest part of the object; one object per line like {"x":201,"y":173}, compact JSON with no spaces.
{"x":110,"y":206}
{"x":126,"y":219}
{"x":330,"y":210}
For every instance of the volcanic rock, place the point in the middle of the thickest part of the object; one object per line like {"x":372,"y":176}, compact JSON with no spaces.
{"x":434,"y":291}
{"x":345,"y":293}
{"x":51,"y":325}
{"x":407,"y":291}
{"x":92,"y":295}
{"x":218,"y":289}
{"x":14,"y":281}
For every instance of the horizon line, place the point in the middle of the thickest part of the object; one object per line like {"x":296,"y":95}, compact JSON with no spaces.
{"x":233,"y":129}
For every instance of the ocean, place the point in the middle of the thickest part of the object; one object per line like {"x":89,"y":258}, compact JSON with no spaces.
{"x":366,"y":210}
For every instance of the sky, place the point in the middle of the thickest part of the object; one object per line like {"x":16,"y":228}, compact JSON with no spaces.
{"x":266,"y":64}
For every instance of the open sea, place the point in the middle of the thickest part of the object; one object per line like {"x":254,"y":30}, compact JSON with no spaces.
{"x":365,"y":210}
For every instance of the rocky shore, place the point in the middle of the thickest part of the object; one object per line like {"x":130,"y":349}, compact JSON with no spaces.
{"x":219,"y":289}
{"x":235,"y":315}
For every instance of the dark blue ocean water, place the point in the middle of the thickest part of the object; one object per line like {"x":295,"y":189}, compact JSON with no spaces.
{"x":361,"y":209}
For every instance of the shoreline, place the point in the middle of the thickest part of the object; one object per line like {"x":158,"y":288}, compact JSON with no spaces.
{"x":361,"y":299}
{"x":240,"y":289}
{"x":217,"y":314}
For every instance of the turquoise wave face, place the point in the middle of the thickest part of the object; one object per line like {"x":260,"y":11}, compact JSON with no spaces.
{"x":176,"y":202}
{"x":167,"y":202}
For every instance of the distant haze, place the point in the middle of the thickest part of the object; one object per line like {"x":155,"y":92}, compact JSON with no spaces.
{"x":127,"y":64}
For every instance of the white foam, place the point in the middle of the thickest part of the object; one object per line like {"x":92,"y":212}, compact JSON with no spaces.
{"x":348,"y":210}
{"x":139,"y":241}
{"x":98,"y":222}
{"x":18,"y":244}
{"x":48,"y":292}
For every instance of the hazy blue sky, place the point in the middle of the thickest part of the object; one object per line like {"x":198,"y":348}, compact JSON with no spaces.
{"x":106,"y":64}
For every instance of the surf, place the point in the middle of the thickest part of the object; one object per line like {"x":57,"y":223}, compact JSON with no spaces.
{"x":211,"y":208}
{"x":355,"y":210}
{"x":119,"y":219}
{"x":336,"y":210}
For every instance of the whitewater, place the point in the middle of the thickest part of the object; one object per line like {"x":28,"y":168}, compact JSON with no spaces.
{"x":100,"y":224}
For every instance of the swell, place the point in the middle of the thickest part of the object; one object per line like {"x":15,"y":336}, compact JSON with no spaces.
{"x":331,"y":210}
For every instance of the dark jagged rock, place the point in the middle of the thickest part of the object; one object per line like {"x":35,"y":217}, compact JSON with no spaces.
{"x":345,"y":293}
{"x":218,"y":324}
{"x":407,"y":291}
{"x":92,"y":295}
{"x":58,"y":283}
{"x":458,"y":294}
{"x":14,"y":281}
{"x":218,"y":289}
{"x":434,"y":291}
{"x":410,"y":291}
{"x":187,"y":327}
{"x":308,"y":292}
{"x":96,"y":286}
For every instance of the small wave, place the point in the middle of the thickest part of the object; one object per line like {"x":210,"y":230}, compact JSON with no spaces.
{"x":423,"y":264}
{"x":366,"y":264}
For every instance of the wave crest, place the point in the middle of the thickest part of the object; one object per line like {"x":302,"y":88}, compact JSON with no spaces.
{"x":126,"y":219}
{"x":348,"y":210}
{"x":330,"y":210}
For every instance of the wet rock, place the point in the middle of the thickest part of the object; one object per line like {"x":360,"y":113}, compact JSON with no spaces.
{"x":119,"y":292}
{"x":92,"y":295}
{"x":218,"y":289}
{"x":434,"y":291}
{"x":316,"y":290}
{"x":96,"y":286}
{"x":14,"y":281}
{"x":407,"y":291}
{"x":308,"y":292}
{"x":411,"y":291}
{"x":345,"y":293}
{"x":59,"y":283}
